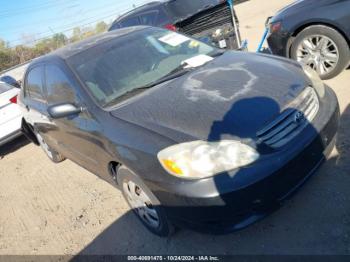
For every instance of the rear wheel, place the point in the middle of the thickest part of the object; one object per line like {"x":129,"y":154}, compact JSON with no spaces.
{"x":323,"y":49}
{"x":52,"y":154}
{"x":144,"y":204}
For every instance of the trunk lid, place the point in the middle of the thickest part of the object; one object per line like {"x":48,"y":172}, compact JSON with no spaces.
{"x":6,"y":95}
{"x":8,"y":110}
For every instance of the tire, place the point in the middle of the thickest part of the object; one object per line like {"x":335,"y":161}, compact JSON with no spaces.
{"x":53,"y":155}
{"x":155,"y":220}
{"x":322,"y":48}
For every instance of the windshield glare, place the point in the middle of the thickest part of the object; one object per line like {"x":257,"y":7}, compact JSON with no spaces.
{"x":112,"y":69}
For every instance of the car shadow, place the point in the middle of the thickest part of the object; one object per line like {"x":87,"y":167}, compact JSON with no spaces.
{"x":13,"y":146}
{"x":314,"y":221}
{"x":342,"y":161}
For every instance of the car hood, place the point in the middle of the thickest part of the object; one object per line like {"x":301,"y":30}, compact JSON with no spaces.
{"x":231,"y":97}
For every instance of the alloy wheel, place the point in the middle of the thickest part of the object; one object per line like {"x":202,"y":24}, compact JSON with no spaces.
{"x":141,"y":203}
{"x":318,"y":52}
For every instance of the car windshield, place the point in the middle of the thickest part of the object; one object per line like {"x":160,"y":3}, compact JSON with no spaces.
{"x":4,"y":88}
{"x":126,"y":63}
{"x":180,"y":9}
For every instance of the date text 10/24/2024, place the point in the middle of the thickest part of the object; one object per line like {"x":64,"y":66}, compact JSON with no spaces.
{"x":173,"y":258}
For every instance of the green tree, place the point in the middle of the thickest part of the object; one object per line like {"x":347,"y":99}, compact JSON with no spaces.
{"x":76,"y":34}
{"x":41,"y":48}
{"x":23,"y":53}
{"x":101,"y":27}
{"x":59,"y":40}
{"x":12,"y":56}
{"x":7,"y":59}
{"x":2,"y":44}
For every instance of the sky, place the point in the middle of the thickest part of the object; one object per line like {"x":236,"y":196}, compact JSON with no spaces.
{"x":23,"y":21}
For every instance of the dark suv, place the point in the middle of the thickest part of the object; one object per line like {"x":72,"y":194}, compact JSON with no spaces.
{"x":208,"y":20}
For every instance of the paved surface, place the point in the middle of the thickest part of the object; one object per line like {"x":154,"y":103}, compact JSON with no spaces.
{"x":63,"y":209}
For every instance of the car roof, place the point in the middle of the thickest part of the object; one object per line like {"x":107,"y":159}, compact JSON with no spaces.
{"x":139,"y":9}
{"x":73,"y":49}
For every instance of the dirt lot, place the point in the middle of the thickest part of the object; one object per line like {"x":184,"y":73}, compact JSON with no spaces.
{"x":63,"y":209}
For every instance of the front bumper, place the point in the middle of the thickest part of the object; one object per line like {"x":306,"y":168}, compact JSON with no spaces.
{"x":232,"y":205}
{"x":279,"y":43}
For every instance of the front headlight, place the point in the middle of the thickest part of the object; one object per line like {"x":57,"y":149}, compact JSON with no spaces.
{"x":199,"y":159}
{"x":317,"y":83}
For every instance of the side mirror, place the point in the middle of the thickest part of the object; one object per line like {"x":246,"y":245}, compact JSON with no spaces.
{"x":63,"y":110}
{"x":10,"y":81}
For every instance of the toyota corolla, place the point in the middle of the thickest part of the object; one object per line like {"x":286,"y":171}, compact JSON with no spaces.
{"x":192,"y":135}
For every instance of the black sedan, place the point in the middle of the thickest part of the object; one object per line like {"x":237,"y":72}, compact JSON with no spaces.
{"x":193,"y":136}
{"x":315,"y":33}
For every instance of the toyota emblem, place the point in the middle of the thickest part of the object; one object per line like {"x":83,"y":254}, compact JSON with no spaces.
{"x":299,"y":117}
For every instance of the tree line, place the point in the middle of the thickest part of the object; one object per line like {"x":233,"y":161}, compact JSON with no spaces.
{"x":12,"y":56}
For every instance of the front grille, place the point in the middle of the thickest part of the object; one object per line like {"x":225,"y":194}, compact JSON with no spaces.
{"x":292,"y":121}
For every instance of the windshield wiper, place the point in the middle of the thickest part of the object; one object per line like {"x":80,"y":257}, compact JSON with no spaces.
{"x":217,"y":53}
{"x":126,"y":95}
{"x":177,"y":72}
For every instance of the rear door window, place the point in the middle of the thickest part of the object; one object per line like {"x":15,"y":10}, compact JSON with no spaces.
{"x":131,"y":21}
{"x":60,"y":88}
{"x":34,"y":85}
{"x":149,"y":18}
{"x":163,"y":17}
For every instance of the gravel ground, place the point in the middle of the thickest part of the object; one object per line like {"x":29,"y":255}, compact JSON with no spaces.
{"x":63,"y":209}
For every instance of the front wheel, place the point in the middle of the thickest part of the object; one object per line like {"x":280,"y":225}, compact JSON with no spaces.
{"x":323,"y":49}
{"x":52,"y":154}
{"x":144,"y":204}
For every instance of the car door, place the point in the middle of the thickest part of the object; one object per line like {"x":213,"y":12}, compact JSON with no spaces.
{"x":73,"y":136}
{"x":35,"y":99}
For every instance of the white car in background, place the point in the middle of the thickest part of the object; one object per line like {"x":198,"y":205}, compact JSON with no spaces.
{"x":10,"y":113}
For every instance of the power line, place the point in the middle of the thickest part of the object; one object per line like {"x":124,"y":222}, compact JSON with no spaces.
{"x":68,"y":30}
{"x":37,"y":5}
{"x":79,"y":25}
{"x":55,"y":19}
{"x":33,"y":10}
{"x":72,"y":25}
